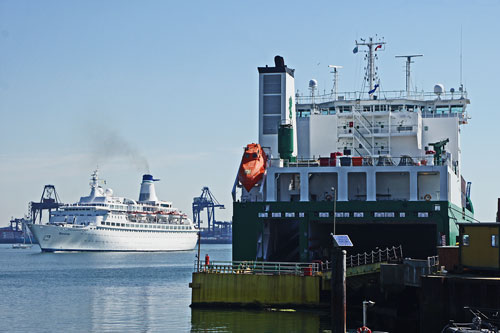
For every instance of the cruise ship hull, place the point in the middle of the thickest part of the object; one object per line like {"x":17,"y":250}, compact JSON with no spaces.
{"x":56,"y":238}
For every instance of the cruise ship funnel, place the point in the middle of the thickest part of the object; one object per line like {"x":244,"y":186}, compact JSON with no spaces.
{"x":148,"y":192}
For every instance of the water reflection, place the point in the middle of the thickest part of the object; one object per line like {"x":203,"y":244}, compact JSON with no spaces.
{"x":211,"y":320}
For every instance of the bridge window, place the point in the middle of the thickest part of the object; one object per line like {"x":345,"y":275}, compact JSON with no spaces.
{"x":440,"y":109}
{"x":345,"y":108}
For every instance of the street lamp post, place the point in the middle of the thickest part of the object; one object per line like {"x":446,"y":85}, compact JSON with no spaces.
{"x":334,"y":209}
{"x":366,"y":304}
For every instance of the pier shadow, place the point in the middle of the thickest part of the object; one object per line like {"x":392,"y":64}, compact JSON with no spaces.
{"x":270,"y":320}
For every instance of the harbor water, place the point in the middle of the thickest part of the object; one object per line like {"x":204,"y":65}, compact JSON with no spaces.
{"x":122,"y":292}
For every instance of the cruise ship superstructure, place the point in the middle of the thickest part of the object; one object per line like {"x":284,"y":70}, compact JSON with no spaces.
{"x":103,"y":222}
{"x":383,"y":167}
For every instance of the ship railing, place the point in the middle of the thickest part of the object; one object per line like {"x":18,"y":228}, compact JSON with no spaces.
{"x":390,"y":254}
{"x":257,"y":267}
{"x":379,"y":160}
{"x":382,"y":96}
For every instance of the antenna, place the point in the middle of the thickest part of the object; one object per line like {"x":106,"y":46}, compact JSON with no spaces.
{"x":408,"y":63}
{"x":313,"y":84}
{"x":378,"y":43}
{"x":461,"y":85}
{"x":335,"y":80}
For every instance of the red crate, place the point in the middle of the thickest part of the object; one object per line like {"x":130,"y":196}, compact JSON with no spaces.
{"x":324,"y":161}
{"x":357,"y":161}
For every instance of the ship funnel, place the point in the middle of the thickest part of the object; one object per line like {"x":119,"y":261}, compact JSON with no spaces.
{"x":148,"y":192}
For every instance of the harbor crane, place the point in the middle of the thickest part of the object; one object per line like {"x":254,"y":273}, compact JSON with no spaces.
{"x":48,"y":201}
{"x":206,"y":200}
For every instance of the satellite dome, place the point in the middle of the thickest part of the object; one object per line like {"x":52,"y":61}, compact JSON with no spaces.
{"x":109,"y":192}
{"x":313,"y":83}
{"x":439,"y":89}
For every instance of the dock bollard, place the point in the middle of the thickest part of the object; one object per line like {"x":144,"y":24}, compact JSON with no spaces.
{"x":338,"y":290}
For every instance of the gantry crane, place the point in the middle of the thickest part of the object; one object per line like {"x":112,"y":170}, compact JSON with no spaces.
{"x":48,"y":201}
{"x":206,"y":200}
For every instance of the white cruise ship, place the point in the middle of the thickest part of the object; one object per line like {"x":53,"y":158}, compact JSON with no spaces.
{"x":103,"y":222}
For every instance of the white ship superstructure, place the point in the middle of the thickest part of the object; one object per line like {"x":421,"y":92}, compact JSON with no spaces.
{"x":103,"y":222}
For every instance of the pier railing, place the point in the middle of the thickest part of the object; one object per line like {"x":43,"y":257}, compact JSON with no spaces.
{"x":386,"y":255}
{"x":390,"y":254}
{"x":258,"y":267}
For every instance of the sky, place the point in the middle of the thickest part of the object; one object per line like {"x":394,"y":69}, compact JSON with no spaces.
{"x":171,"y":88}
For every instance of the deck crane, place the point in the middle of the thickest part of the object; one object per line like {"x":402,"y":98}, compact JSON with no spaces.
{"x":206,"y":200}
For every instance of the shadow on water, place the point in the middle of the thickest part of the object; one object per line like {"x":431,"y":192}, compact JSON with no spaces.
{"x":217,"y":320}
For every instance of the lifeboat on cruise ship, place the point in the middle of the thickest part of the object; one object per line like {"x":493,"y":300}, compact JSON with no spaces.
{"x":253,"y":166}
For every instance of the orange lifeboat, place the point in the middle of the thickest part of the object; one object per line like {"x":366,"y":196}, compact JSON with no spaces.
{"x":253,"y":166}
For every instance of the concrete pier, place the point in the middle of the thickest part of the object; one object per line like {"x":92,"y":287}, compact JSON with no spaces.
{"x":258,"y":290}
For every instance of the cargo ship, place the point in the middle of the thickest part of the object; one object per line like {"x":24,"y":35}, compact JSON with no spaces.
{"x":383,"y":167}
{"x":16,"y":232}
{"x":104,"y":222}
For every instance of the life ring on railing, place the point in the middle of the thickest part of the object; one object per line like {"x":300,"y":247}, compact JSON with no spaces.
{"x":427,"y":197}
{"x":328,"y":197}
{"x":364,"y":329}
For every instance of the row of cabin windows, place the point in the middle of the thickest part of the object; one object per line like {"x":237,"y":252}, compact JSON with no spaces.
{"x":348,"y":214}
{"x":374,"y":214}
{"x":439,"y":109}
{"x":136,"y":230}
{"x":466,"y":240}
{"x":149,"y":226}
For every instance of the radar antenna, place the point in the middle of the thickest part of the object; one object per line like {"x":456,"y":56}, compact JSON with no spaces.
{"x":408,"y":63}
{"x":335,"y":80}
{"x":373,"y":44}
{"x":313,"y":85}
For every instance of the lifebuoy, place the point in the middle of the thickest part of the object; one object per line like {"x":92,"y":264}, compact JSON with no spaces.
{"x":328,"y":197}
{"x":427,"y":197}
{"x":364,"y":329}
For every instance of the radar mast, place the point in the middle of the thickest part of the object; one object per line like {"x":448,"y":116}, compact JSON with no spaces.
{"x":408,"y":63}
{"x":373,"y":45}
{"x":335,"y":80}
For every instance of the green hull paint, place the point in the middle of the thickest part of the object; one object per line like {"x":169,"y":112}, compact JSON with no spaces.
{"x":420,"y":234}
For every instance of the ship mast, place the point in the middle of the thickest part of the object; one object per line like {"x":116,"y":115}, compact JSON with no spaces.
{"x":335,"y":80}
{"x":408,"y":63}
{"x":373,"y":45}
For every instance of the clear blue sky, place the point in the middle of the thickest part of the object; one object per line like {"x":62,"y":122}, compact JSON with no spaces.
{"x":175,"y":83}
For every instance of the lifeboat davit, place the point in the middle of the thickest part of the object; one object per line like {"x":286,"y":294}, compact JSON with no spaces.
{"x":253,"y":166}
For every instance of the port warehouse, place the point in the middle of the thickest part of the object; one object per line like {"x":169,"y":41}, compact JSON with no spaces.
{"x":300,"y":231}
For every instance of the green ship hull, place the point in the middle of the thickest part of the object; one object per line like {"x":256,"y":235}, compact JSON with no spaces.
{"x":300,"y":231}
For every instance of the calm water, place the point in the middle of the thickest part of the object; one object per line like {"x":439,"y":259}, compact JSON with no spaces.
{"x":120,"y":292}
